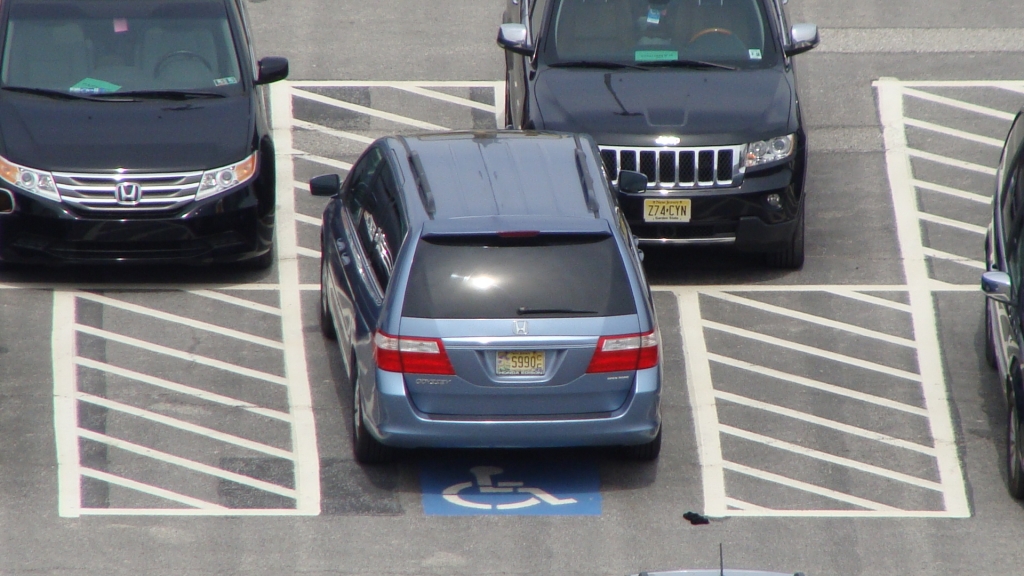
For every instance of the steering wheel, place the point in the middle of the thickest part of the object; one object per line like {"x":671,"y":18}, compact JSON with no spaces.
{"x":181,"y":54}
{"x":722,"y":31}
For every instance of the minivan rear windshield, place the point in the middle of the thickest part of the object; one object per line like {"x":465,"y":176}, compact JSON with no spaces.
{"x":98,"y":47}
{"x":546,"y":276}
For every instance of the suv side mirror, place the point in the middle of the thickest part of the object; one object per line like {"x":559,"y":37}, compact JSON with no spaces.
{"x":515,"y":38}
{"x":997,"y":286}
{"x":803,"y":38}
{"x":632,"y":182}
{"x":326,"y":185}
{"x":272,"y":69}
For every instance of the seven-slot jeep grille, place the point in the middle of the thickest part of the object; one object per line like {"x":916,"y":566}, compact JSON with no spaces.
{"x":665,"y":167}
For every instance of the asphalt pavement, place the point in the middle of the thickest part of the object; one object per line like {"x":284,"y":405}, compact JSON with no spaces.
{"x":839,"y":420}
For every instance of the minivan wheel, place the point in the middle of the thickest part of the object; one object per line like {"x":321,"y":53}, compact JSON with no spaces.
{"x":263,"y":261}
{"x":326,"y":322}
{"x":644,"y":452}
{"x":365,"y":448}
{"x":990,"y":341}
{"x":792,"y":256}
{"x":1014,"y":449}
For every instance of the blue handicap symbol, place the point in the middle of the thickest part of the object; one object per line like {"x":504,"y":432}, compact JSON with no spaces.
{"x":535,"y":488}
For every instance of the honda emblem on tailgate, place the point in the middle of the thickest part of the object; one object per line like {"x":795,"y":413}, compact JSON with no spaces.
{"x":128,"y":193}
{"x":520,"y":327}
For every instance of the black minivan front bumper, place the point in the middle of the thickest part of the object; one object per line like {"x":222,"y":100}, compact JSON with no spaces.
{"x":231,"y":227}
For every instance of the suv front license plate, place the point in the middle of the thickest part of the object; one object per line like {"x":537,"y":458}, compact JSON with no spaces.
{"x":663,"y":210}
{"x":520,"y":363}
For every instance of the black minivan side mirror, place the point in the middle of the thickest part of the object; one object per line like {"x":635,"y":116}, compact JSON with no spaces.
{"x":803,"y":38}
{"x":632,"y":182}
{"x":326,"y":185}
{"x":272,"y":69}
{"x":997,"y":286}
{"x":515,"y":38}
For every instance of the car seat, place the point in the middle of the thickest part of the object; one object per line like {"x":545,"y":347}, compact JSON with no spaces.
{"x":589,"y":29}
{"x":47,"y":55}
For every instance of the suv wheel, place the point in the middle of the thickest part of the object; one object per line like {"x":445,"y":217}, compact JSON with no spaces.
{"x":1014,"y":449}
{"x":990,"y":341}
{"x":326,"y":322}
{"x":791,"y":257}
{"x":644,"y":452}
{"x":365,"y":448}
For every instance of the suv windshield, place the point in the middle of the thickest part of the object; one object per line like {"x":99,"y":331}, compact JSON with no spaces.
{"x":650,"y":33}
{"x":96,"y":47}
{"x":547,"y":276}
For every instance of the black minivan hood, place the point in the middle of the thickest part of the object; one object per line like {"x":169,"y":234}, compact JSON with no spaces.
{"x":702,"y":107}
{"x":148,"y":135}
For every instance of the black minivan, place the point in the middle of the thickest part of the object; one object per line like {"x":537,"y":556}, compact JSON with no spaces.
{"x":134,"y":131}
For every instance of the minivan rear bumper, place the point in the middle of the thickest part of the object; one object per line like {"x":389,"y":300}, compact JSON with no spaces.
{"x":392,"y":419}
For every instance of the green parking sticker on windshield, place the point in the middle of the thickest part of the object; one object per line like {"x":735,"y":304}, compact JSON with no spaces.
{"x":94,"y":86}
{"x":656,"y":55}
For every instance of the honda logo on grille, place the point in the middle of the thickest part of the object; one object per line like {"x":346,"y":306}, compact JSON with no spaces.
{"x":128,"y":193}
{"x":520,"y":327}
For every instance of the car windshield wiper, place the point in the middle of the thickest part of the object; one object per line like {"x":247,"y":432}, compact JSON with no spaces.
{"x":170,"y":94}
{"x":686,"y":64}
{"x":59,"y":94}
{"x":594,"y":64}
{"x":523,"y":311}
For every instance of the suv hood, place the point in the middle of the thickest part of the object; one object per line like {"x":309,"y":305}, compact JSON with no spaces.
{"x":148,"y":135}
{"x":702,"y":107}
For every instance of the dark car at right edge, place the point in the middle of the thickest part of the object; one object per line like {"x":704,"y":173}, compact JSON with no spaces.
{"x":698,"y":95}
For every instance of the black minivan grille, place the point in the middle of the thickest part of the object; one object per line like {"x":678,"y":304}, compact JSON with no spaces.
{"x":667,"y":167}
{"x":156,"y":192}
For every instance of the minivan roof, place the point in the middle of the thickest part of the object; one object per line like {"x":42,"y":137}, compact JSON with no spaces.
{"x":502,"y":173}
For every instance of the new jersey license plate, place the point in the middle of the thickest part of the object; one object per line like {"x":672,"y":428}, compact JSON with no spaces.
{"x":520,"y":363}
{"x":666,"y":210}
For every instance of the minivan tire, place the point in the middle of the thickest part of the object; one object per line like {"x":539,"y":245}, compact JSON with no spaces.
{"x":365,"y":448}
{"x":644,"y":452}
{"x":792,"y":256}
{"x":990,"y":341}
{"x":263,"y":261}
{"x":1014,"y":450}
{"x":326,"y":321}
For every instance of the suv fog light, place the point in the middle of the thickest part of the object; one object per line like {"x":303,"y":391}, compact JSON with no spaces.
{"x":774,"y":200}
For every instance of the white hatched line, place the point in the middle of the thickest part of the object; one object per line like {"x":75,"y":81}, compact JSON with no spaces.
{"x":192,"y":512}
{"x":825,"y":422}
{"x":953,"y":258}
{"x":804,"y":486}
{"x":812,"y":350}
{"x":156,"y":348}
{"x":979,"y":198}
{"x":331,"y":131}
{"x":709,"y":288}
{"x":308,"y":252}
{"x":984,"y":110}
{"x":831,"y":458}
{"x":235,"y":300}
{"x":184,"y":463}
{"x":394,"y":83}
{"x":953,"y":132}
{"x":813,"y":319}
{"x":447,"y":98}
{"x":322,"y":160}
{"x":815,"y":384}
{"x":298,"y":93}
{"x":952,"y":223}
{"x":63,"y":349}
{"x":198,"y":324}
{"x":841,"y":514}
{"x":951,"y":83}
{"x":186,"y":426}
{"x":182,"y":389}
{"x":869,"y":299}
{"x":963,"y":164}
{"x":1019,"y":89}
{"x":308,"y":219}
{"x":741,"y":505}
{"x":151,"y":490}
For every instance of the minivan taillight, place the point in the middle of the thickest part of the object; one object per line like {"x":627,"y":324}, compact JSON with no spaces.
{"x":411,"y":355}
{"x":625,"y":353}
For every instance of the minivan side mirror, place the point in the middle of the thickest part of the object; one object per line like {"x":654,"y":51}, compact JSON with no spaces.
{"x":997,"y":286}
{"x":803,"y":38}
{"x":632,"y":182}
{"x":515,"y":38}
{"x":272,"y":69}
{"x":326,"y":185}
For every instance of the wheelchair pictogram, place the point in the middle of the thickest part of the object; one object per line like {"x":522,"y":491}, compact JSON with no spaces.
{"x":485,"y":484}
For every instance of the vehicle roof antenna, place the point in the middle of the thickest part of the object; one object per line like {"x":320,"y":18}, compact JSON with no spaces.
{"x":721,"y":560}
{"x":585,"y":180}
{"x":420,"y":175}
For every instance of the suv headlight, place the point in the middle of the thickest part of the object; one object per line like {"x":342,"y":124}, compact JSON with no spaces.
{"x":35,"y":181}
{"x":220,"y":179}
{"x":765,"y":152}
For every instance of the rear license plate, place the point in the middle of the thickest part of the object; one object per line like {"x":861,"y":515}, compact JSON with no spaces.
{"x":520,"y":363}
{"x":665,"y":210}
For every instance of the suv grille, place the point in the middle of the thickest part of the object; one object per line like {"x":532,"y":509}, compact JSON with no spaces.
{"x":677,"y":167}
{"x":156,"y":192}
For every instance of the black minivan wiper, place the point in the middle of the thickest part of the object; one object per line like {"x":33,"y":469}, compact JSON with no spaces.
{"x":594,"y":64}
{"x":686,"y":64}
{"x":523,"y":311}
{"x":171,"y":94}
{"x":58,"y":94}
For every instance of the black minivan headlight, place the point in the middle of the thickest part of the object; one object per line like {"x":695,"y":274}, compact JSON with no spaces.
{"x":768,"y":152}
{"x":220,"y":179}
{"x":37,"y":182}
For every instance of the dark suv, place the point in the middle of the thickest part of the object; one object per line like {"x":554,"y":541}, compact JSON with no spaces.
{"x":134,"y":130}
{"x":485,"y":292}
{"x":698,"y":95}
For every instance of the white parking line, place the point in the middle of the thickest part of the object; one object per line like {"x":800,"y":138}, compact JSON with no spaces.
{"x":953,"y":132}
{"x":308,"y":252}
{"x":151,"y":490}
{"x":970,"y":262}
{"x":953,"y":223}
{"x":235,"y":301}
{"x":447,"y":98}
{"x":951,"y":191}
{"x":811,"y":488}
{"x":396,"y":118}
{"x":308,"y":220}
{"x":983,"y":110}
{"x":869,"y":299}
{"x":939,"y":159}
{"x":302,"y":124}
{"x":345,"y":166}
{"x":65,"y":407}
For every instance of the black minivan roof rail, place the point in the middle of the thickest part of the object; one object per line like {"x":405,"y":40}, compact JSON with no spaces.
{"x":422,"y":184}
{"x":585,"y":180}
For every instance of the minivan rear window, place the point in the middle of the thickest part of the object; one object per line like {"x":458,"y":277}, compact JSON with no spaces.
{"x":544,"y":276}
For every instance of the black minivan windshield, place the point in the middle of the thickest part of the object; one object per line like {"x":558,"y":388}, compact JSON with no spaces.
{"x":99,"y":48}
{"x":545,"y":276}
{"x":710,"y":34}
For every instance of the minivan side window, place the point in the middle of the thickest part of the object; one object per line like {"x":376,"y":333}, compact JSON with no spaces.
{"x":357,"y":186}
{"x":382,"y":228}
{"x":537,"y":9}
